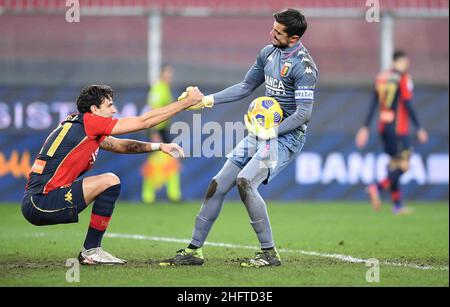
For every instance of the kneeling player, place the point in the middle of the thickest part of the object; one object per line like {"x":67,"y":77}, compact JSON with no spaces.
{"x":54,"y":196}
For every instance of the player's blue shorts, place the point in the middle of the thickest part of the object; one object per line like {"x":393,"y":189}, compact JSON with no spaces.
{"x":275,"y":153}
{"x":396,"y":146}
{"x":59,"y":206}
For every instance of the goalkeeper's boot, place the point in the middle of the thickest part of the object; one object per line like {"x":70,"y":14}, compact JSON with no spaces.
{"x":374,"y":196}
{"x":185,"y":256}
{"x":97,"y":255}
{"x":263,"y":258}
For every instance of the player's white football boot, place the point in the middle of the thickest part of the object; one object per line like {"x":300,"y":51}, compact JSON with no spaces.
{"x":97,"y":255}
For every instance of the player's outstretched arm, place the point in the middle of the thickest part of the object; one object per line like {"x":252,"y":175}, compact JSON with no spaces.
{"x":127,"y":146}
{"x":206,"y":102}
{"x":253,"y":78}
{"x":156,"y":116}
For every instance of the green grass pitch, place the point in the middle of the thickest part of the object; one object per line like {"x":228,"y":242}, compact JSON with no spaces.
{"x":36,"y":256}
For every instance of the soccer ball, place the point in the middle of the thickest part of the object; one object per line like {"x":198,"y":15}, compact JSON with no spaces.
{"x":266,"y":111}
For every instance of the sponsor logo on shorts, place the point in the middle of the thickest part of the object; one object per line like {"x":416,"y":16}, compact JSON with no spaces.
{"x":68,"y":197}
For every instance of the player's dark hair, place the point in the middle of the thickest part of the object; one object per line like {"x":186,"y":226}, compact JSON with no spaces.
{"x":398,"y":54}
{"x":293,"y":20}
{"x":93,"y":95}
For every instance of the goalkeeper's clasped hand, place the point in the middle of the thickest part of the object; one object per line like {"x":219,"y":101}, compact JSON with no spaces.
{"x":256,"y":130}
{"x":207,"y":101}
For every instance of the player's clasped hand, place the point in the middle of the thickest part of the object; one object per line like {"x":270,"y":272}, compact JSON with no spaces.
{"x":206,"y":101}
{"x":256,"y":130}
{"x":192,"y":93}
{"x":172,"y":149}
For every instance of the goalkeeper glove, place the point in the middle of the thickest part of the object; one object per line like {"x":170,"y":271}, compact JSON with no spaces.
{"x":207,"y":101}
{"x":258,"y":131}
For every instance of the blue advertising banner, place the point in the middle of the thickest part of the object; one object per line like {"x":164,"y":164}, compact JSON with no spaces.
{"x":330,"y":167}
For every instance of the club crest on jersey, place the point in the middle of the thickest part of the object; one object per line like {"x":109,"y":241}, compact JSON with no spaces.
{"x":286,"y":68}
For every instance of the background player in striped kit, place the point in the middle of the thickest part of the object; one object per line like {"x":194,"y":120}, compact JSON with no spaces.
{"x":392,"y":97}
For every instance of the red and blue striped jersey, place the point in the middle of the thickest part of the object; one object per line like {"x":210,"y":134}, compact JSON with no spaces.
{"x":68,"y":152}
{"x":394,"y":90}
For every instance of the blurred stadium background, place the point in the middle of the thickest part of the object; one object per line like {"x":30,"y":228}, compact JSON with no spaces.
{"x":45,"y":60}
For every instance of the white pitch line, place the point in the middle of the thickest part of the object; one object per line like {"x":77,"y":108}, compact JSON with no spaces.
{"x":344,"y":258}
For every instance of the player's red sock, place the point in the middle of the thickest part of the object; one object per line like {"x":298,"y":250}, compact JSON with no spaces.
{"x":395,"y":187}
{"x":396,"y":197}
{"x":101,"y":215}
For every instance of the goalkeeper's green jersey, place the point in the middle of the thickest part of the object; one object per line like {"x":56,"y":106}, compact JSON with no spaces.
{"x":159,"y":96}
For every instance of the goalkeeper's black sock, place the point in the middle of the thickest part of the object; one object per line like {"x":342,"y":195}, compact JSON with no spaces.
{"x":267,"y":249}
{"x":193,"y":246}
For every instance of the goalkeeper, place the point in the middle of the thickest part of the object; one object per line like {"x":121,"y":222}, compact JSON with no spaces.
{"x":290,"y":76}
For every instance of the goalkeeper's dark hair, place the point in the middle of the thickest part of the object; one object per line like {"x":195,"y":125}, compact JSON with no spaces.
{"x":293,"y":20}
{"x":399,"y":54}
{"x":93,"y":95}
